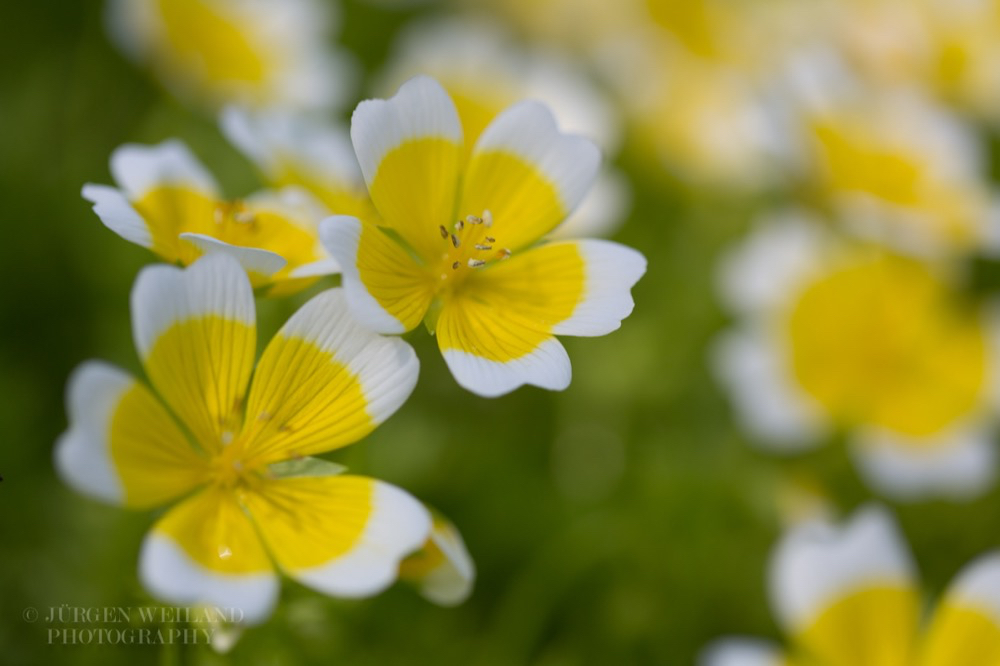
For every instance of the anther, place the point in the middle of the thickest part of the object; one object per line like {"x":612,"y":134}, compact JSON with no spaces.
{"x":490,"y":239}
{"x":444,"y":232}
{"x":504,"y":254}
{"x":459,"y":225}
{"x":455,"y":265}
{"x":488,"y":217}
{"x":483,"y":247}
{"x":473,"y":219}
{"x":455,"y":241}
{"x":476,"y":263}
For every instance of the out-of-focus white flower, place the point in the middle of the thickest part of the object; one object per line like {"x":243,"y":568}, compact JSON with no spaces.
{"x":485,"y":71}
{"x":849,"y":595}
{"x":260,"y":53}
{"x":843,"y":334}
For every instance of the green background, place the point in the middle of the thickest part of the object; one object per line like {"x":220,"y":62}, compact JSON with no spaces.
{"x":624,"y":520}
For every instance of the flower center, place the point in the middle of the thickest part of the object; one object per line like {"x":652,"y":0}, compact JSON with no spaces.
{"x":234,"y":214}
{"x":469,"y":245}
{"x":230,"y":469}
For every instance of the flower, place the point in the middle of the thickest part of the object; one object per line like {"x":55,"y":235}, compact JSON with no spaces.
{"x":897,"y":166}
{"x":266,"y":53}
{"x":442,"y":569}
{"x":847,"y":596}
{"x":235,"y":453}
{"x":459,"y":244}
{"x":291,"y":149}
{"x":844,"y":334}
{"x":170,"y":204}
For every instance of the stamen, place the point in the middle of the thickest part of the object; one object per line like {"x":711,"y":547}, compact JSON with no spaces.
{"x":459,"y":225}
{"x":490,"y":239}
{"x":455,"y":241}
{"x":483,"y":247}
{"x":488,"y":217}
{"x":505,"y":254}
{"x":476,"y":263}
{"x":455,"y":265}
{"x":473,"y":219}
{"x":444,"y":232}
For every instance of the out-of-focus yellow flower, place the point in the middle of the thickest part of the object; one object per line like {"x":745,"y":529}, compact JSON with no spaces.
{"x":235,"y":452}
{"x":460,"y":248}
{"x":849,"y":595}
{"x":840,"y":334}
{"x":442,"y":569}
{"x":292,"y":149}
{"x":260,"y":53}
{"x":950,"y":49}
{"x":485,"y":71}
{"x":170,"y":204}
{"x":899,"y":167}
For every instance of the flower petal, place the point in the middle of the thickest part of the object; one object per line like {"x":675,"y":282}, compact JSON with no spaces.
{"x":138,"y":169}
{"x":206,"y":551}
{"x":442,"y":568}
{"x":117,"y":214}
{"x":527,"y":174}
{"x":122,"y":446}
{"x":324,"y":381}
{"x":959,"y":464}
{"x":741,"y":652}
{"x":195,"y":331}
{"x":386,"y":290}
{"x":847,"y":595}
{"x":342,"y":535}
{"x":966,"y":625}
{"x":469,"y":330}
{"x":256,"y":262}
{"x":496,"y":332}
{"x":610,"y":271}
{"x":410,"y":151}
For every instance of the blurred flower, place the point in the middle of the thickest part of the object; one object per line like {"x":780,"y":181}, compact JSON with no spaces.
{"x":840,"y":334}
{"x":251,"y":498}
{"x":485,"y":71}
{"x":899,"y":167}
{"x":291,"y":149}
{"x":493,"y":296}
{"x":170,"y":204}
{"x":849,"y":595}
{"x":950,"y":49}
{"x":442,"y":569}
{"x":261,"y":53}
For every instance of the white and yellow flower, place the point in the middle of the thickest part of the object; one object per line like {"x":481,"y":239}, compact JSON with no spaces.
{"x":169,"y":203}
{"x":234,"y":453}
{"x":485,"y":71}
{"x":850,"y":596}
{"x":838,"y":334}
{"x":260,"y":53}
{"x":898,"y":166}
{"x":442,"y":570}
{"x":460,"y":248}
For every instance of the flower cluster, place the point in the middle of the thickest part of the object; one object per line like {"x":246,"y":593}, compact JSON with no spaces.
{"x":421,"y":226}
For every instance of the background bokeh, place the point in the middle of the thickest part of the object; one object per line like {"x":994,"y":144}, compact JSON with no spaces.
{"x":625,"y":520}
